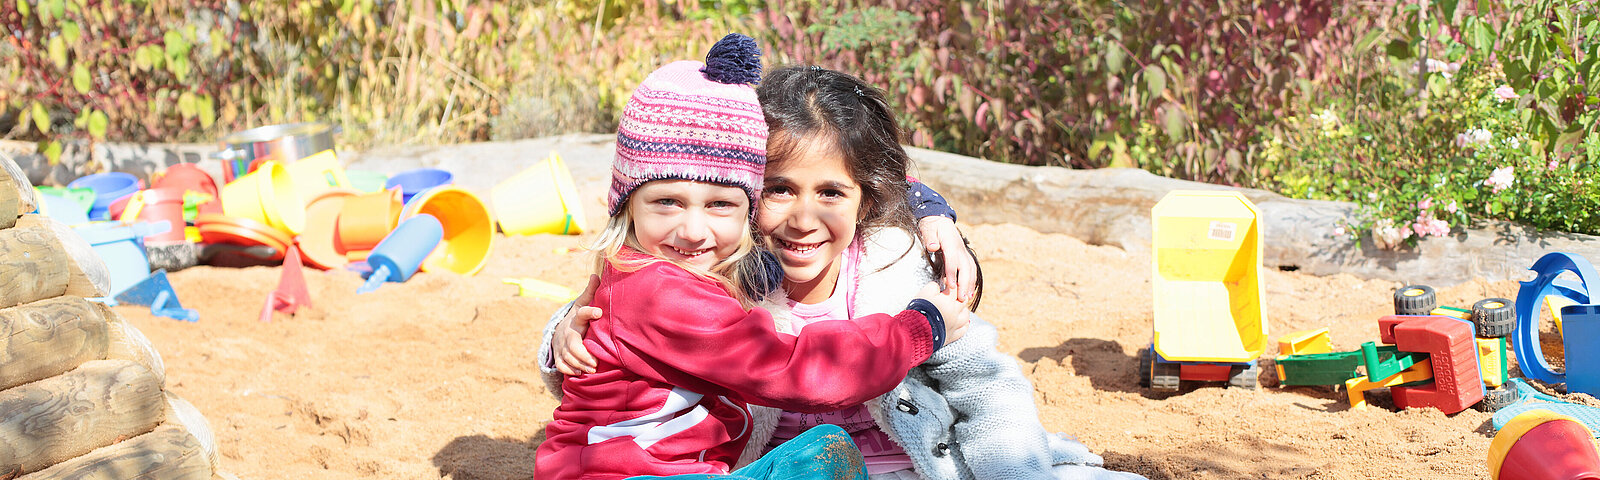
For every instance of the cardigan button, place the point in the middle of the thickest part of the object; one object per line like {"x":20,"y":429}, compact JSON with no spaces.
{"x":907,"y":407}
{"x":941,"y":450}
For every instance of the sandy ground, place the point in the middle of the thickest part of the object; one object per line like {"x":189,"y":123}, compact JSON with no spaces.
{"x":436,"y":377}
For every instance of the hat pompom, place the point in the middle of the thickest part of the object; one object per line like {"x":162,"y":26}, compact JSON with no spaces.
{"x":734,"y":60}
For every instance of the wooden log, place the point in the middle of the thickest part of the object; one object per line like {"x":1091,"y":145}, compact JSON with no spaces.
{"x":99,"y":403}
{"x":16,"y":195}
{"x":41,"y":258}
{"x":181,"y":412}
{"x":128,"y":343}
{"x":46,"y":338}
{"x":168,"y":453}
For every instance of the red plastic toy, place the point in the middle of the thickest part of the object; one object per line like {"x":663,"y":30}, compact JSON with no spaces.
{"x":1457,"y":383}
{"x":1544,"y":445}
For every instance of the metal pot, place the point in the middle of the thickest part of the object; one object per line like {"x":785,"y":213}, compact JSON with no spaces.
{"x":285,"y":143}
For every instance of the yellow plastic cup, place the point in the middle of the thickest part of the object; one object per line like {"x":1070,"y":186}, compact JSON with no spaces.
{"x":317,"y":173}
{"x":266,"y":195}
{"x":540,"y":199}
{"x":468,"y":228}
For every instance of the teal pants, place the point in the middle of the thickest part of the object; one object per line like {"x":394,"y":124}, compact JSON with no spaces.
{"x":823,"y":452}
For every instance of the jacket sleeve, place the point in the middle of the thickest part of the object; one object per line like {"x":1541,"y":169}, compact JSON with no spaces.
{"x":997,"y":427}
{"x":547,"y":360}
{"x":690,"y":333}
{"x":927,"y":203}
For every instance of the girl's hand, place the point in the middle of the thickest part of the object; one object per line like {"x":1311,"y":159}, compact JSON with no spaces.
{"x":955,"y":314}
{"x":567,"y":343}
{"x":960,"y":269}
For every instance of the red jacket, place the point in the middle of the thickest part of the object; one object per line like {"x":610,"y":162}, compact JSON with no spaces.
{"x":678,"y":359}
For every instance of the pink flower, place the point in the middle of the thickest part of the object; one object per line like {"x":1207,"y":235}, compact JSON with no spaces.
{"x":1553,"y":165}
{"x":1501,"y":178}
{"x":1506,"y":93}
{"x":1451,"y":207}
{"x":1427,"y":225}
{"x":1338,"y":231}
{"x":1426,"y":203}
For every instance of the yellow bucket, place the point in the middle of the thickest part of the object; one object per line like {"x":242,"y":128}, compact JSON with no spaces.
{"x":541,"y":199}
{"x":468,"y":228}
{"x":266,"y":195}
{"x":317,"y":173}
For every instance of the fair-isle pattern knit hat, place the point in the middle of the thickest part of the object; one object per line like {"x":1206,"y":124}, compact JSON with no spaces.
{"x":694,"y":121}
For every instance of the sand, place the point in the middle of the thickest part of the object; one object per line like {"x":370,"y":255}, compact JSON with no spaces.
{"x":436,"y":377}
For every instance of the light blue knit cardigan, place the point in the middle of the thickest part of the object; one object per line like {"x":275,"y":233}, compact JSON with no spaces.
{"x":966,"y":413}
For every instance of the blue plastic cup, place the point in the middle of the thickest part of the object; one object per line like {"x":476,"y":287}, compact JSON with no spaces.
{"x":412,"y":182}
{"x":108,"y":188}
{"x":397,"y":257}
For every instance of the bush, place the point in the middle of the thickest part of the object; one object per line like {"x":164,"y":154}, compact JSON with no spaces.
{"x":1440,"y":139}
{"x":1180,"y":88}
{"x":388,"y":72}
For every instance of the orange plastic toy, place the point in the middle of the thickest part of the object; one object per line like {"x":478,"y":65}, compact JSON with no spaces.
{"x":242,"y":231}
{"x":319,"y":241}
{"x":364,"y":220}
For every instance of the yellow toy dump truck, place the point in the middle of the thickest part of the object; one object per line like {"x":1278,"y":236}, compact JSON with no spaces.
{"x":1208,"y":320}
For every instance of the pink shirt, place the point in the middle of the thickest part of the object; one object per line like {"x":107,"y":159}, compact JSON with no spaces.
{"x":882,"y":454}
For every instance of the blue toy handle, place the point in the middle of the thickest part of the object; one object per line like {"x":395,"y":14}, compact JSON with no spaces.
{"x":378,"y":277}
{"x":1530,"y":355}
{"x":159,"y":308}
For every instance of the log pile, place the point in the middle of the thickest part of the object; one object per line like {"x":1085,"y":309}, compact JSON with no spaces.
{"x":82,"y":392}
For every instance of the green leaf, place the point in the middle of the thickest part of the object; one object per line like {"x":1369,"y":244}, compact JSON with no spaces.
{"x":219,"y":43}
{"x":1174,"y":121}
{"x":1155,"y":80}
{"x":58,"y":52}
{"x":1399,"y":49}
{"x":80,"y":78}
{"x":1114,"y":57}
{"x":179,"y":68}
{"x":1447,"y":9}
{"x":1483,"y":36}
{"x":22,"y":8}
{"x":52,"y":152}
{"x":97,"y":124}
{"x":57,"y":8}
{"x":186,"y":105}
{"x":206,"y":110}
{"x":176,"y":45}
{"x":41,"y":118}
{"x":71,"y":31}
{"x":142,"y":60}
{"x":1366,"y":41}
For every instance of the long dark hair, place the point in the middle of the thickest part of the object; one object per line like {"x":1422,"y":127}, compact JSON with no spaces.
{"x":809,"y":103}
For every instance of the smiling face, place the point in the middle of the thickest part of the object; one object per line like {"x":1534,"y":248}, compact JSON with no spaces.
{"x":808,"y":213}
{"x":695,"y":223}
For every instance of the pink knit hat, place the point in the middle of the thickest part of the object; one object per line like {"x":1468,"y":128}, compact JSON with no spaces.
{"x":695,"y":121}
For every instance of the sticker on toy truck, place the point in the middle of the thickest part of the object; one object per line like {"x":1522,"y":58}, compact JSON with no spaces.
{"x":1223,"y":231}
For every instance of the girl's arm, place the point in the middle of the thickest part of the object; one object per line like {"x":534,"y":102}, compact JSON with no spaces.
{"x":936,"y":222}
{"x":675,"y":329}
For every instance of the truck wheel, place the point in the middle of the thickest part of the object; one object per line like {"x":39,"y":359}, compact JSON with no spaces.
{"x":1147,"y":360}
{"x":1164,"y":377}
{"x":1494,"y":317}
{"x":1246,"y":377}
{"x":1497,"y":398}
{"x":1414,"y":300}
